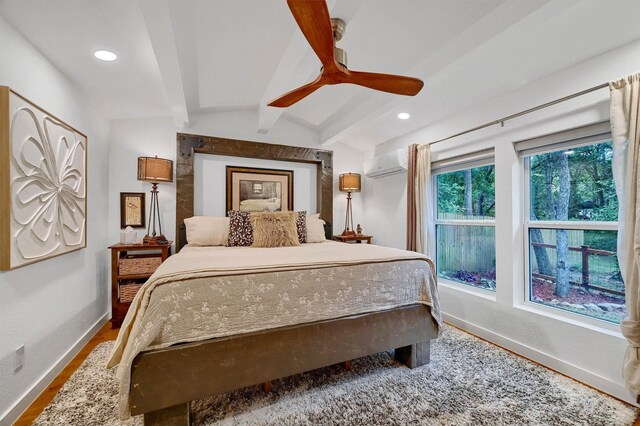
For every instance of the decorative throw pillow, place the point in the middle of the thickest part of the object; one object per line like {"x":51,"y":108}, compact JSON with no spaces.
{"x":315,"y":229}
{"x":275,"y":229}
{"x":301,"y":224}
{"x":240,"y":229}
{"x":207,"y":230}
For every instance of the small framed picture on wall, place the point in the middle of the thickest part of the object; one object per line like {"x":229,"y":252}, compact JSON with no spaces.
{"x":132,"y":209}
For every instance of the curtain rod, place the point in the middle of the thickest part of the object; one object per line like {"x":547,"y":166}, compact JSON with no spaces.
{"x":521,"y":113}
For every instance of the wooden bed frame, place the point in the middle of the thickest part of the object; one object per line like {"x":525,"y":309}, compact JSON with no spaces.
{"x":164,"y":381}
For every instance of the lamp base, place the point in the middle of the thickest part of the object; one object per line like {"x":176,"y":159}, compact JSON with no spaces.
{"x":348,"y":233}
{"x":154,"y":240}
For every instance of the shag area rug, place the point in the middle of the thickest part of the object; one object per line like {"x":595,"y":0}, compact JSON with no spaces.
{"x":468,"y":382}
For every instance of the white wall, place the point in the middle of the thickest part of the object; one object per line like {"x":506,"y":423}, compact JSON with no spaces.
{"x":49,"y":307}
{"x":347,"y":159}
{"x":589,"y":352}
{"x":130,"y":139}
{"x":385,"y":209}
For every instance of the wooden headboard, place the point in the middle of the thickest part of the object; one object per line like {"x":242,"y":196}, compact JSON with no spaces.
{"x":189,"y":145}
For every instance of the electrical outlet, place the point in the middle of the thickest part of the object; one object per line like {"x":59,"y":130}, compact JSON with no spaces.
{"x":19,"y":362}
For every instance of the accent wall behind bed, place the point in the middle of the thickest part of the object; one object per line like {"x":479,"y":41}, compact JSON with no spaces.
{"x":209,"y":182}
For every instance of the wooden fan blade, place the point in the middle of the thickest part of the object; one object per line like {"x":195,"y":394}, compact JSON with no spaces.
{"x":397,"y":84}
{"x":298,"y":94}
{"x":313,"y":19}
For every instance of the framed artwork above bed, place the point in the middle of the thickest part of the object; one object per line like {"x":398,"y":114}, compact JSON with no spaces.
{"x":259,"y":190}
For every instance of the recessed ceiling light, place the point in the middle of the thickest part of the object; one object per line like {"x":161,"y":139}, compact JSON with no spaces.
{"x":105,"y":55}
{"x":403,"y":116}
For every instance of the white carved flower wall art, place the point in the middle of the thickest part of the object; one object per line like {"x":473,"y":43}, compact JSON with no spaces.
{"x":48,"y":186}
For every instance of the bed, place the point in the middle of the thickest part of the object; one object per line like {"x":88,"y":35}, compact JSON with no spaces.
{"x":162,"y":368}
{"x":214,"y":319}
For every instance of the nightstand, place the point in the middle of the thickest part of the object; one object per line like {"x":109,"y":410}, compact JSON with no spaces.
{"x":131,"y":266}
{"x":353,"y":238}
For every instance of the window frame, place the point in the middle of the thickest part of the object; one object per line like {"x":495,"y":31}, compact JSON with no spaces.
{"x":463,"y":165}
{"x":528,"y":224}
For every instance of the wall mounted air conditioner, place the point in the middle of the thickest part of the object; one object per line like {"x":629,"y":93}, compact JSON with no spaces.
{"x":386,"y":164}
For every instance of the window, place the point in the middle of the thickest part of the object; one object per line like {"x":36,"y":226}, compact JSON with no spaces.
{"x":465,"y":226}
{"x":571,"y":218}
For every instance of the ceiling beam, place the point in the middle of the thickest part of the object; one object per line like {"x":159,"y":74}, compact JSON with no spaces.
{"x":298,"y":65}
{"x":373,"y":106}
{"x":157,"y":18}
{"x":298,"y":60}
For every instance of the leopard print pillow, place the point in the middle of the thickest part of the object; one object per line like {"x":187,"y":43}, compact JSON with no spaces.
{"x":240,"y":229}
{"x":301,"y":226}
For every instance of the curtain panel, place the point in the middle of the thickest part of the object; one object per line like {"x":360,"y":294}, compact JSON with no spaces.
{"x":425,"y":241}
{"x":411,"y":197}
{"x":625,"y":131}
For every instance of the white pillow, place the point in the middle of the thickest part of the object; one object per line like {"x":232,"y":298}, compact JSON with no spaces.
{"x":207,"y":230}
{"x":315,"y":229}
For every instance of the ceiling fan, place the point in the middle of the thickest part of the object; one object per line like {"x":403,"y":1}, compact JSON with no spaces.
{"x":322,"y":33}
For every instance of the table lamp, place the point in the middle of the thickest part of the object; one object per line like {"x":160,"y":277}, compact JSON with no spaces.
{"x":154,"y":170}
{"x":349,"y":182}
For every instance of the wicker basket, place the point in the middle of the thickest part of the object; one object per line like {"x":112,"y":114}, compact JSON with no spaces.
{"x":128,"y":291}
{"x":138,"y":265}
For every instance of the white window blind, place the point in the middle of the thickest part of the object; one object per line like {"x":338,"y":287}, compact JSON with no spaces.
{"x":580,"y":136}
{"x":466,"y":161}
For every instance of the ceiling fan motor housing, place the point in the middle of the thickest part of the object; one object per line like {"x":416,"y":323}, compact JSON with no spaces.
{"x":341,"y":56}
{"x":338,"y":26}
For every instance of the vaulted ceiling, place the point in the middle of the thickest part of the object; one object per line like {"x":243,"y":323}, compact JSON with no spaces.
{"x":185,"y":57}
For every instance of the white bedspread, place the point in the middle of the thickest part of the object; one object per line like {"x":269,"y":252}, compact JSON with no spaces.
{"x":207,"y":292}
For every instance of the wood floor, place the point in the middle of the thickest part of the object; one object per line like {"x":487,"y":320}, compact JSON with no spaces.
{"x":104,"y":335}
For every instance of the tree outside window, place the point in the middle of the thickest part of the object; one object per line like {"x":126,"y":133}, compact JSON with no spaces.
{"x":465,"y":227}
{"x":571,"y":222}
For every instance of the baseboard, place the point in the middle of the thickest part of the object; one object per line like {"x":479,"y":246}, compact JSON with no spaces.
{"x":579,"y":374}
{"x":27,"y":399}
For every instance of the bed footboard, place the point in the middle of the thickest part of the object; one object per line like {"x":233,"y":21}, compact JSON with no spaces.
{"x":163,"y":381}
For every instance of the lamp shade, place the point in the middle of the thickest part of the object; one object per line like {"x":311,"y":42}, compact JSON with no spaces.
{"x":154,"y":169}
{"x":349,"y":182}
